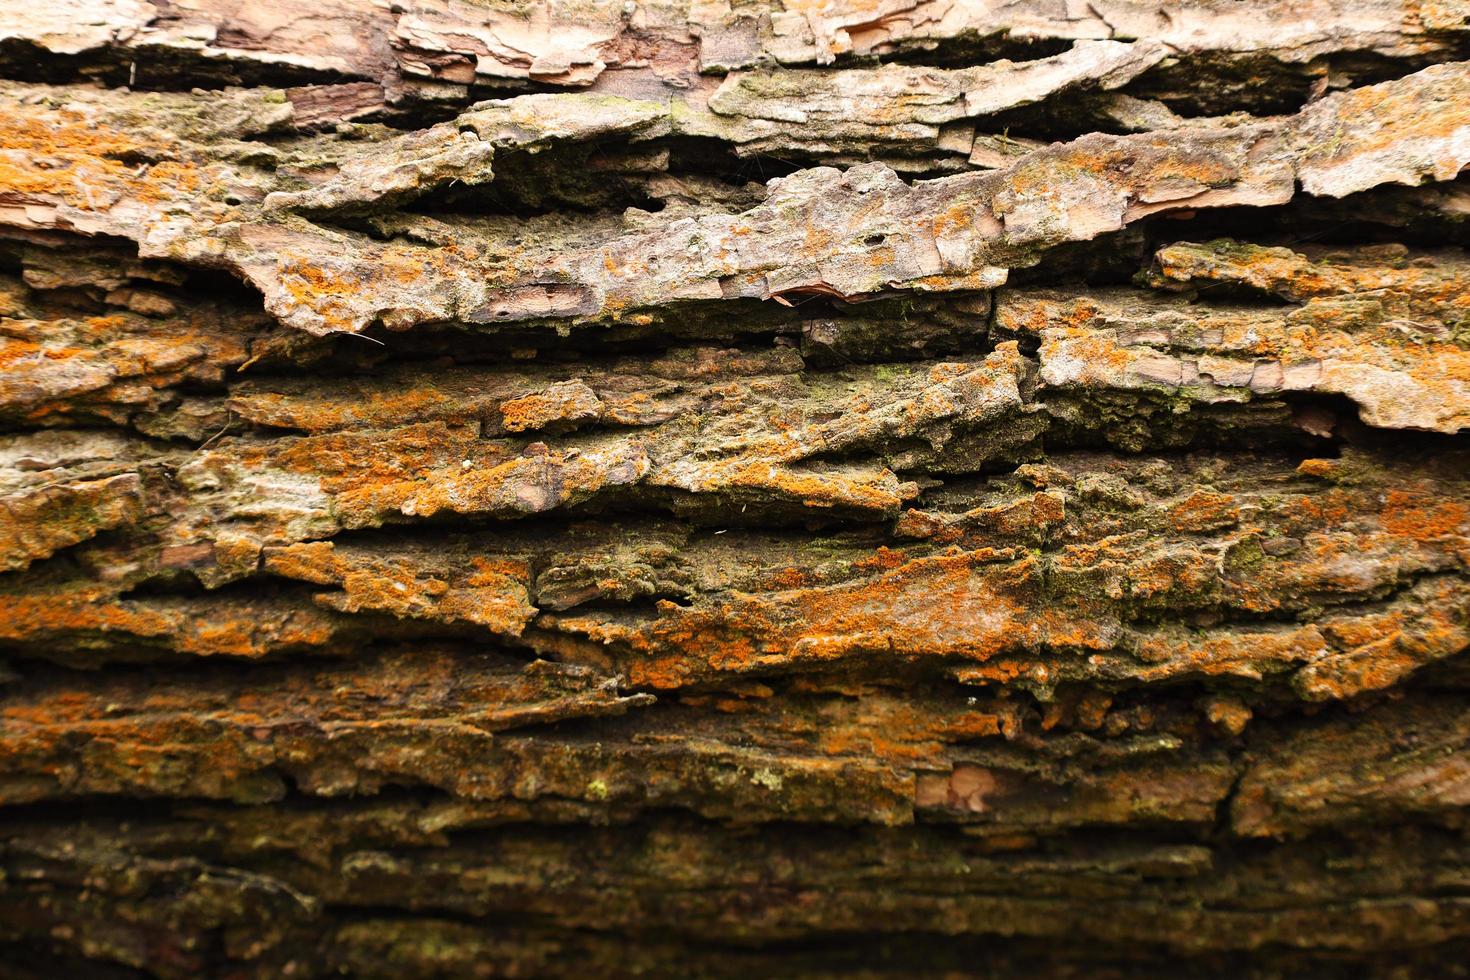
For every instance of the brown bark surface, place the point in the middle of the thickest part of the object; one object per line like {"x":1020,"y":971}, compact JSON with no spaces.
{"x":791,"y":487}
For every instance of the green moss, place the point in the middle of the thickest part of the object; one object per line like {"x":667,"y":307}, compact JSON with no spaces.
{"x":1243,"y":555}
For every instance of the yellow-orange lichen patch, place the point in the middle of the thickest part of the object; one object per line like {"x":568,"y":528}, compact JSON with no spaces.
{"x":1404,"y":112}
{"x":898,"y":730}
{"x":323,"y":291}
{"x":1332,"y":508}
{"x":1319,"y":468}
{"x":1379,"y":649}
{"x":1249,"y":654}
{"x":883,"y":558}
{"x":63,"y":155}
{"x":495,"y":595}
{"x":568,"y":402}
{"x":877,"y":491}
{"x":959,"y":605}
{"x":1422,"y":518}
{"x":250,"y":632}
{"x":1204,"y":510}
{"x":790,"y":578}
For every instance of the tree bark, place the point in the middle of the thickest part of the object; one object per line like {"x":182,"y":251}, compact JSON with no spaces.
{"x":886,"y":488}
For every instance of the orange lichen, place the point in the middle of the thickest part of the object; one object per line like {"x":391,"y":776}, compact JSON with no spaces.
{"x":884,"y":558}
{"x":1320,"y":468}
{"x":247,"y":633}
{"x":956,"y":218}
{"x":957,"y":605}
{"x":1417,"y":516}
{"x":64,"y":155}
{"x":567,"y":402}
{"x":1378,"y":649}
{"x":322,"y":291}
{"x":1331,"y":508}
{"x":1245,"y":654}
{"x":890,"y":729}
{"x":495,"y":571}
{"x":1204,"y":510}
{"x":813,"y":489}
{"x":790,"y":578}
{"x":495,"y":595}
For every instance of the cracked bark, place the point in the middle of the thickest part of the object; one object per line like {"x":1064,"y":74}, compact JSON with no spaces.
{"x":798,"y":488}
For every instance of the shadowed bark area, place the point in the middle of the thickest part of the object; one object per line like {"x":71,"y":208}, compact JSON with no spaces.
{"x":888,"y":488}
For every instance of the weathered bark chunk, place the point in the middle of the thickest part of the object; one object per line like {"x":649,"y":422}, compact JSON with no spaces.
{"x":790,"y":487}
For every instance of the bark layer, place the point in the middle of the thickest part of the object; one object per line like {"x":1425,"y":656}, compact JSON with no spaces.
{"x":790,"y":488}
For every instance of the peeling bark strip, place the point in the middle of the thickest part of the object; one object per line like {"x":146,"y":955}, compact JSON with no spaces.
{"x":901,"y":487}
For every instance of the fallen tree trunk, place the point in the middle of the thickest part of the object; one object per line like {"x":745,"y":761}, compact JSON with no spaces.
{"x":703,"y":488}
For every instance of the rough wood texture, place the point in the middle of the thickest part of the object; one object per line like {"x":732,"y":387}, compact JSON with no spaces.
{"x":822,"y":488}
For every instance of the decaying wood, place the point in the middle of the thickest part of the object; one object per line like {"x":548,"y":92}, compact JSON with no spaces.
{"x":887,"y":488}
